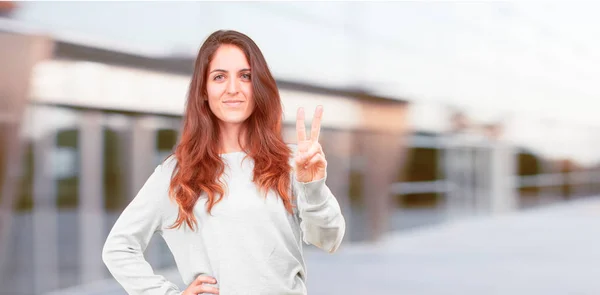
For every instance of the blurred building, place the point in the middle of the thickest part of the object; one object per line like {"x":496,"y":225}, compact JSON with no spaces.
{"x":83,"y":124}
{"x":89,"y":124}
{"x":7,"y":8}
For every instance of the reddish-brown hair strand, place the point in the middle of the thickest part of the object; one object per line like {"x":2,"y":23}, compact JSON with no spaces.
{"x":198,"y":163}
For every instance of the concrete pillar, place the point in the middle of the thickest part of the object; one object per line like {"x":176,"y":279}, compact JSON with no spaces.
{"x":142,"y":155}
{"x":444,"y":186}
{"x":18,"y":56}
{"x":459,"y":161}
{"x":482,"y":174}
{"x":45,"y":212}
{"x":142,"y":149}
{"x":503,"y":192}
{"x":447,"y":158}
{"x":471,"y":178}
{"x":382,"y":145}
{"x":383,"y":156}
{"x":337,"y":145}
{"x":91,"y":196}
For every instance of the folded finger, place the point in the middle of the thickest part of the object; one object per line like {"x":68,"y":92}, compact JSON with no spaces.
{"x":313,"y":150}
{"x":205,"y":279}
{"x":202,"y":289}
{"x":316,"y":159}
{"x":299,"y":160}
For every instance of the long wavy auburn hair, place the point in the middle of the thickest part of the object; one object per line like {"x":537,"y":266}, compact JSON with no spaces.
{"x":198,"y":163}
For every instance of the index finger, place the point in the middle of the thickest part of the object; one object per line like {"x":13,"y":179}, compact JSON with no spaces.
{"x":316,"y":124}
{"x":300,"y":128}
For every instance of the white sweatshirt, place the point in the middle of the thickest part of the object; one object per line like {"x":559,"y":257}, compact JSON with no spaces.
{"x":250,"y":244}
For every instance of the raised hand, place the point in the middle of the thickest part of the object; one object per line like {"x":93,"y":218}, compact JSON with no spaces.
{"x":310,"y":163}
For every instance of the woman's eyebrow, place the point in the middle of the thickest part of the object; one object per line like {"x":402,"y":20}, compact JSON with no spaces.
{"x":224,"y":71}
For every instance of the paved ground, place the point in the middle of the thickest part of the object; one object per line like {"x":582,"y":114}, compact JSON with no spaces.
{"x":545,"y":251}
{"x":553,"y":250}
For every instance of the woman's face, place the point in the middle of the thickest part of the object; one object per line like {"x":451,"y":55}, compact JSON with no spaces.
{"x":229,"y":86}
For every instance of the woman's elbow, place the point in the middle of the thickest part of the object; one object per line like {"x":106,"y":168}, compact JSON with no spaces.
{"x":337,"y":241}
{"x":329,"y":238}
{"x":111,"y":253}
{"x":107,"y":254}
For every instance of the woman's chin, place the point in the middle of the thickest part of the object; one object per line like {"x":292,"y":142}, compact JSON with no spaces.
{"x":233,"y":120}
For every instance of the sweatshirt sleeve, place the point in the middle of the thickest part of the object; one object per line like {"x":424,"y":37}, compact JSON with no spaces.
{"x":124,"y":247}
{"x":322,"y":222}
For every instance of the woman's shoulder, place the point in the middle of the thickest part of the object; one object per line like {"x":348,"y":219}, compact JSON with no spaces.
{"x":168,"y":165}
{"x":164,"y":170}
{"x":163,"y":175}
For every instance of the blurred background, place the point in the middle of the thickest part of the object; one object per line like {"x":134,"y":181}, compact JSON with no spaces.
{"x":462,"y":138}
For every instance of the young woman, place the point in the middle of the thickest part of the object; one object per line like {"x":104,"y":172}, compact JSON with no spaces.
{"x":234,"y":202}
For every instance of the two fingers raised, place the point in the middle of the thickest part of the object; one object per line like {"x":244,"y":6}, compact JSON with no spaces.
{"x":315,"y":126}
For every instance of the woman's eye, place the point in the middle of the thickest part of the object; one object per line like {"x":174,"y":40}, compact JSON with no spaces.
{"x":218,"y":77}
{"x":246,"y":76}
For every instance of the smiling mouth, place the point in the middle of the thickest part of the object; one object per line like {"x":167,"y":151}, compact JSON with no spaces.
{"x":233,"y":103}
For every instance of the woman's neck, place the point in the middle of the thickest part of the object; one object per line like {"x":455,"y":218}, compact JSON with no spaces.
{"x":229,"y":138}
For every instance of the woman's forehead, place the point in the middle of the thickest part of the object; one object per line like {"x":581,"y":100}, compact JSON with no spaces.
{"x":229,"y":58}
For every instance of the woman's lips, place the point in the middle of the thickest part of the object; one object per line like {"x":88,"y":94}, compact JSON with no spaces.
{"x":233,"y":103}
